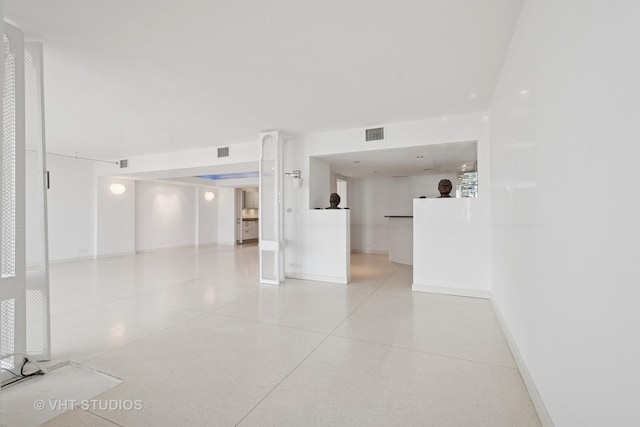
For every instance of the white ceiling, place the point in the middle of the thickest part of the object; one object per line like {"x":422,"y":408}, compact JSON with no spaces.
{"x":133,"y":77}
{"x":412,"y":161}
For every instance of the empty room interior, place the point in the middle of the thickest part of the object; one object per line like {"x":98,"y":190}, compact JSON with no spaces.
{"x":372,"y":213}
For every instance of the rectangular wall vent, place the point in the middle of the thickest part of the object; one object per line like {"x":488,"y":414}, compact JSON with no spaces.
{"x":223,"y":152}
{"x":376,"y":134}
{"x":124,"y":163}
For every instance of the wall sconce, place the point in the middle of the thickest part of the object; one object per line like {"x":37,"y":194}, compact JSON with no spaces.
{"x":117,"y":188}
{"x":297,"y":180}
{"x":209,"y":196}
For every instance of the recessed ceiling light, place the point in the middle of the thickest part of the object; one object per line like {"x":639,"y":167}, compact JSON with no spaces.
{"x":356,"y":161}
{"x":419,"y":156}
{"x":524,"y":92}
{"x":473,"y":95}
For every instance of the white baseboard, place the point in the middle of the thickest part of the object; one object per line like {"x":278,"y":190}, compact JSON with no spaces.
{"x":202,"y":245}
{"x":318,"y":278}
{"x":168,"y":248}
{"x":369,"y":251}
{"x":116,"y":254}
{"x":63,"y":260}
{"x":538,"y":403}
{"x":451,"y":291}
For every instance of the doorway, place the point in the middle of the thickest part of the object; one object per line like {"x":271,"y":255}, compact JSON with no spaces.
{"x":341,"y":189}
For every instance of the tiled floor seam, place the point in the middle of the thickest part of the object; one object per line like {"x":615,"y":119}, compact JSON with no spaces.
{"x":267,"y":323}
{"x":87,"y":361}
{"x":427,"y":299}
{"x":282,"y":380}
{"x":133,"y":298}
{"x":126,"y":299}
{"x":207,"y":311}
{"x":85,"y":308}
{"x":312,"y":351}
{"x":446,"y":356}
{"x":106,"y":419}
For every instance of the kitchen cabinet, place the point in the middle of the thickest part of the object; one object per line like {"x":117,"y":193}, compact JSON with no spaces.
{"x":250,"y":199}
{"x":249,"y":230}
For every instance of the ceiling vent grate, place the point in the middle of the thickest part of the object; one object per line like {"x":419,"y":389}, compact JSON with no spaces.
{"x":223,"y":152}
{"x":124,"y":163}
{"x":376,"y":134}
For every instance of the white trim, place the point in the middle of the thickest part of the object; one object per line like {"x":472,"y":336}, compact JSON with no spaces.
{"x":115,"y":254}
{"x":370,"y":251}
{"x":538,"y":403}
{"x":168,"y":248}
{"x":202,"y":245}
{"x":63,"y":260}
{"x":318,"y":278}
{"x":451,"y":291}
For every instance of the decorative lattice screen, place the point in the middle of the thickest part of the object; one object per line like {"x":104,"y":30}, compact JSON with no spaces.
{"x":24,"y":298}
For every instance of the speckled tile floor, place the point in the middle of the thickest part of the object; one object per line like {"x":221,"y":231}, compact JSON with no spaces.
{"x":198,"y":341}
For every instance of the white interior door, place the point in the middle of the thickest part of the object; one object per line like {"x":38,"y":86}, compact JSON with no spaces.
{"x":270,"y":210}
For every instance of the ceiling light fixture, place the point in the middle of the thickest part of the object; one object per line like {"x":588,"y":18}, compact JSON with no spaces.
{"x":209,"y":196}
{"x":419,"y":156}
{"x":356,"y":161}
{"x":117,"y":188}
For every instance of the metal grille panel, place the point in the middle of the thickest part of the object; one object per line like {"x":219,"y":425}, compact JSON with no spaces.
{"x":34,"y":174}
{"x":36,"y":322}
{"x":7,"y":342}
{"x":376,"y":134}
{"x":37,"y":269}
{"x":9,"y":164}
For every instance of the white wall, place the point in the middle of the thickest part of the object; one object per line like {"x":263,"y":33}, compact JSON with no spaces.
{"x":165,"y":215}
{"x":207,"y":216}
{"x":298,"y":151}
{"x":160,"y":163}
{"x":370,"y":199}
{"x":319,"y":183}
{"x":226,"y":216}
{"x":71,"y":209}
{"x":322,"y":250}
{"x":566,"y":233}
{"x":116,"y":227}
{"x":451,"y":246}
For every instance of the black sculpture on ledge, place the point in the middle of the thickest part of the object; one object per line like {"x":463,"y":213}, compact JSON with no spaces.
{"x":444,"y":187}
{"x":334,"y":201}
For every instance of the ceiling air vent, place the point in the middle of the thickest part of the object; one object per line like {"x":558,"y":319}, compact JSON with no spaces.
{"x":223,"y":152}
{"x":124,"y":163}
{"x":376,"y":134}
